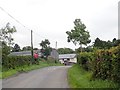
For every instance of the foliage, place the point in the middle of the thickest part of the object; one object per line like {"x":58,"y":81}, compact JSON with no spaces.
{"x":103,"y":63}
{"x":44,"y":44}
{"x":100,"y":44}
{"x":46,"y":49}
{"x":85,"y":59}
{"x":79,"y":78}
{"x":85,"y":49}
{"x":6,"y":34}
{"x":12,"y":62}
{"x":35,"y":48}
{"x":16,"y":48}
{"x":5,"y":49}
{"x":78,"y":34}
{"x":6,"y":39}
{"x":65,"y":51}
{"x":26,"y":48}
{"x":106,"y":64}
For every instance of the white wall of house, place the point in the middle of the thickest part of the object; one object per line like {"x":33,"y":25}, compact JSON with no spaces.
{"x":61,"y":61}
{"x":73,"y":60}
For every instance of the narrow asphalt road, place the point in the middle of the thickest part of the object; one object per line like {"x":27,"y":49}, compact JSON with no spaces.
{"x":49,"y":77}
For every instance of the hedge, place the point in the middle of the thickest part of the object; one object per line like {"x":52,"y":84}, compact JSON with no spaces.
{"x":105,"y":64}
{"x":12,"y":62}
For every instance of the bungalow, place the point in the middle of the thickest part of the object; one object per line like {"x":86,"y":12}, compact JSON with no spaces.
{"x":67,"y":58}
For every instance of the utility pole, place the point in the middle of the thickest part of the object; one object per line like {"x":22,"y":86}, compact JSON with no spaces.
{"x":32,"y":45}
{"x":56,"y":45}
{"x":119,"y":20}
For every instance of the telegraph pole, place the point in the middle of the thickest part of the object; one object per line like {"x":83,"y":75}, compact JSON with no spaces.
{"x":32,"y":45}
{"x":56,"y":45}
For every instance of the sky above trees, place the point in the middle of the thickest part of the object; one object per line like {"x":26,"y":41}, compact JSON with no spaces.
{"x":50,"y":19}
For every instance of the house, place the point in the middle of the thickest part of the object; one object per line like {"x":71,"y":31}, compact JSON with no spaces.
{"x":54,"y":54}
{"x":69,"y":58}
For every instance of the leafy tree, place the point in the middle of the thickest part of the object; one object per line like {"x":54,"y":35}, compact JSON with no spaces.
{"x":44,"y":44}
{"x":35,"y":48}
{"x":97,"y":42}
{"x":106,"y":44}
{"x":65,"y":51}
{"x":6,"y":34}
{"x":26,"y":48}
{"x":5,"y":50}
{"x":6,"y":39}
{"x":16,"y":48}
{"x":115,"y":42}
{"x":79,"y":34}
{"x":46,"y":49}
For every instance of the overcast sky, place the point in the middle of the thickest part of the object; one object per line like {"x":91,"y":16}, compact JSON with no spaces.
{"x":50,"y":19}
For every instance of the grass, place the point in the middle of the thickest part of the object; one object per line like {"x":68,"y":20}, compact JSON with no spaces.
{"x":12,"y":72}
{"x":79,"y":78}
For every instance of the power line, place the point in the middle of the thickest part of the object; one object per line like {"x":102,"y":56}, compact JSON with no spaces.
{"x":12,"y":17}
{"x":16,"y":19}
{"x":21,"y":23}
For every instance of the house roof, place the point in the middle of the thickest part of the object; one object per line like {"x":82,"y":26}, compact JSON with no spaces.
{"x":67,"y":56}
{"x":22,"y":53}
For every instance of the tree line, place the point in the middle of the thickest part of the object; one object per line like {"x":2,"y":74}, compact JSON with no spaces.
{"x":78,"y":35}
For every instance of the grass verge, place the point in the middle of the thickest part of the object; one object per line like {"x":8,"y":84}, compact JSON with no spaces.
{"x":79,"y":78}
{"x":12,"y":72}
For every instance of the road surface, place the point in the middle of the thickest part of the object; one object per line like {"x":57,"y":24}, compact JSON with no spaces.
{"x":48,"y":77}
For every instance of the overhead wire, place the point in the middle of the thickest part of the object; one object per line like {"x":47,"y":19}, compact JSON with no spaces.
{"x":21,"y":23}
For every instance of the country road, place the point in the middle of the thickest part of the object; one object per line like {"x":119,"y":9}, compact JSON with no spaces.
{"x":48,"y":77}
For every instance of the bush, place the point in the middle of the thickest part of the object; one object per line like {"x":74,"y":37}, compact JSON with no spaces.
{"x":85,"y":59}
{"x":105,"y":64}
{"x":12,"y":62}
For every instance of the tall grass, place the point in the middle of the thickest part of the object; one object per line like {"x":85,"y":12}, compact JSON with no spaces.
{"x":79,"y":78}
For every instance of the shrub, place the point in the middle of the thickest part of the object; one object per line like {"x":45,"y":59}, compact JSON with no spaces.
{"x":85,"y":59}
{"x":104,"y":64}
{"x":12,"y":62}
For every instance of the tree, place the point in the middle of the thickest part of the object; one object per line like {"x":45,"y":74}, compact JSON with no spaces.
{"x":16,"y":48}
{"x":100,"y":44}
{"x":6,"y":34}
{"x":6,"y":39}
{"x":97,"y":42}
{"x":46,"y":49}
{"x":78,"y":34}
{"x":5,"y":49}
{"x":44,"y":44}
{"x":35,"y":48}
{"x":116,"y":42}
{"x":65,"y":51}
{"x":26,"y":48}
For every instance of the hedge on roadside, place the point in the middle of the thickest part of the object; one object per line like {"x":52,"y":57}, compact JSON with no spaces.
{"x":12,"y":62}
{"x":105,"y":64}
{"x":85,"y":59}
